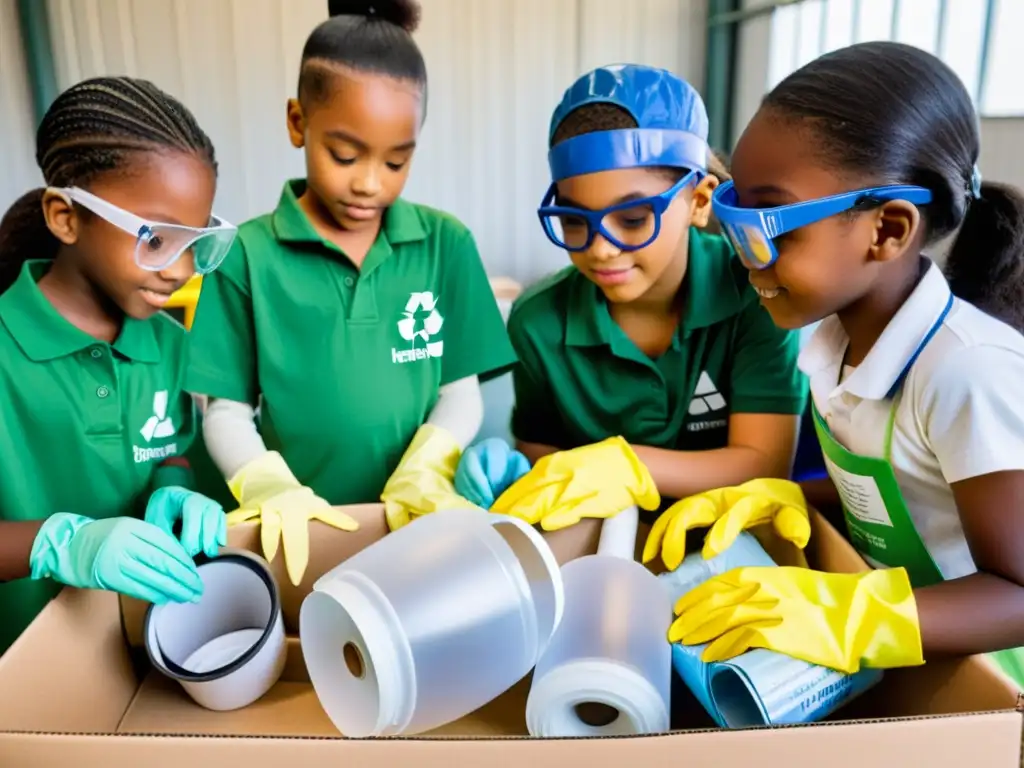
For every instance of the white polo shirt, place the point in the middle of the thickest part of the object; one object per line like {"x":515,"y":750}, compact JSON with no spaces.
{"x":960,"y":413}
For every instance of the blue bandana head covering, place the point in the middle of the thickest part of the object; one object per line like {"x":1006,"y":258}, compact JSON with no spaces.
{"x":672,"y":123}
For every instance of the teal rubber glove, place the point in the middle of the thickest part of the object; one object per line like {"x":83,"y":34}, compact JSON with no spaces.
{"x":487,"y":469}
{"x":120,"y":554}
{"x":204,"y":526}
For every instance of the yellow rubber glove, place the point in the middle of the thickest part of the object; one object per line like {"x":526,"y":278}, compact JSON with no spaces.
{"x":729,"y":511}
{"x":598,"y":480}
{"x":837,"y":620}
{"x":424,"y":480}
{"x":267,"y":491}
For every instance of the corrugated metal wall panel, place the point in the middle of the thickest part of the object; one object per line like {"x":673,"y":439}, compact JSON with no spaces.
{"x":497,"y":68}
{"x":226,"y":59}
{"x":753,"y":54}
{"x":17,"y":131}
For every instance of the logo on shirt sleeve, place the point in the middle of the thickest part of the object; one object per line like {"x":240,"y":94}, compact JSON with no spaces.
{"x":706,"y":400}
{"x":419,"y":324}
{"x":159,"y":426}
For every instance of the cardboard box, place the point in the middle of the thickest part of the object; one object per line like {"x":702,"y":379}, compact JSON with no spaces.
{"x":75,"y":694}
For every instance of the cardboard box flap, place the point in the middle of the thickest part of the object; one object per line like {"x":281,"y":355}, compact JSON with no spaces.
{"x":947,"y":687}
{"x":71,"y":670}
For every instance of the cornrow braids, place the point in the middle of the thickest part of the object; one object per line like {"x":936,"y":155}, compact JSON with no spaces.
{"x":95,"y":127}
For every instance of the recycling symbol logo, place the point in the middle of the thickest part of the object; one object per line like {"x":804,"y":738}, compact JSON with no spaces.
{"x":420,"y":318}
{"x":420,"y":321}
{"x":158,"y":425}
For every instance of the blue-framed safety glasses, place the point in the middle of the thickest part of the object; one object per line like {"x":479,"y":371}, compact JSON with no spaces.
{"x":629,"y":226}
{"x":752,"y":230}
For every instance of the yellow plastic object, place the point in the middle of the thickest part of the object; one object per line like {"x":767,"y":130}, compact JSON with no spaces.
{"x":729,"y":511}
{"x":598,"y":480}
{"x":267,"y":491}
{"x":424,"y":480}
{"x":186,"y":298}
{"x":837,"y":620}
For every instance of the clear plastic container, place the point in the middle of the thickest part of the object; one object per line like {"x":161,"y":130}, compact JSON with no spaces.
{"x":608,"y":668}
{"x":430,"y":623}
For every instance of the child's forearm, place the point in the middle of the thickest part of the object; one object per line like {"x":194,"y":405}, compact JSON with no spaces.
{"x":534,"y":452}
{"x":232,"y":440}
{"x":679,"y":474}
{"x":459,"y":410}
{"x":820,"y":492}
{"x":975,"y":614}
{"x":16,"y":540}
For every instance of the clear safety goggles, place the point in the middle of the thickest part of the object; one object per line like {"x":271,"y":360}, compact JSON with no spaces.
{"x":629,"y":226}
{"x":752,"y":230}
{"x":159,"y":245}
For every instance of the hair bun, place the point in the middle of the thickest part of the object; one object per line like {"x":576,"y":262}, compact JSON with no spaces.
{"x":401,"y":13}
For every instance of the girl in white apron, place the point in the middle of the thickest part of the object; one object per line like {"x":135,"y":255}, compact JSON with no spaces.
{"x":853,"y":166}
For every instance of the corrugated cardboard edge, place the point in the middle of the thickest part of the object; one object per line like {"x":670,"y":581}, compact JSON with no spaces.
{"x":989,"y":740}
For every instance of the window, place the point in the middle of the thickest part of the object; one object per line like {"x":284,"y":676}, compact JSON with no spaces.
{"x":974,"y":37}
{"x":1002,"y":94}
{"x":917,"y":24}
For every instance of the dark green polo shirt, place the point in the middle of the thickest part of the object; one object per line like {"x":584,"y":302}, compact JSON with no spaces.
{"x":345,"y":362}
{"x":580,"y":379}
{"x":85,"y":423}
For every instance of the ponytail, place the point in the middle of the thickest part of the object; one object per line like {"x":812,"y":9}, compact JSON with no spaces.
{"x":985,"y":265}
{"x":24,"y":236}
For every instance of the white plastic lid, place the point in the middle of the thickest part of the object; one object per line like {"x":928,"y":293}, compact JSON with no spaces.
{"x":551,"y":709}
{"x":359,"y":660}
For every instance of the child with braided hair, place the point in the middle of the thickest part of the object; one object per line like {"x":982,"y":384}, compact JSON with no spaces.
{"x":95,"y":418}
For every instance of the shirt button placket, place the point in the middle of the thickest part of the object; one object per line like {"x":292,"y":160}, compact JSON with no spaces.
{"x":105,"y":417}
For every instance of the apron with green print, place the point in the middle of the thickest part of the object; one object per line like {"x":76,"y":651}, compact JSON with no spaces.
{"x":877,"y":518}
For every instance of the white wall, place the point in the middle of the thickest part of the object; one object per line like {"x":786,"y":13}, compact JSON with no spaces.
{"x":1002,"y":150}
{"x":497,"y":69}
{"x":18,"y":171}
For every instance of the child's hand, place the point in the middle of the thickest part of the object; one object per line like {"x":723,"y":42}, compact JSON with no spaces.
{"x":487,"y":469}
{"x":203,"y":523}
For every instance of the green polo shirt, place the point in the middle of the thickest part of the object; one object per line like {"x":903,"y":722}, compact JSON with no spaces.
{"x":345,"y":362}
{"x":580,"y":379}
{"x":85,"y":423}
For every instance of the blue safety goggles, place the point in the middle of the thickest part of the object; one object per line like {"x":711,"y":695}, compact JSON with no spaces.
{"x":629,"y":226}
{"x":753,"y":230}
